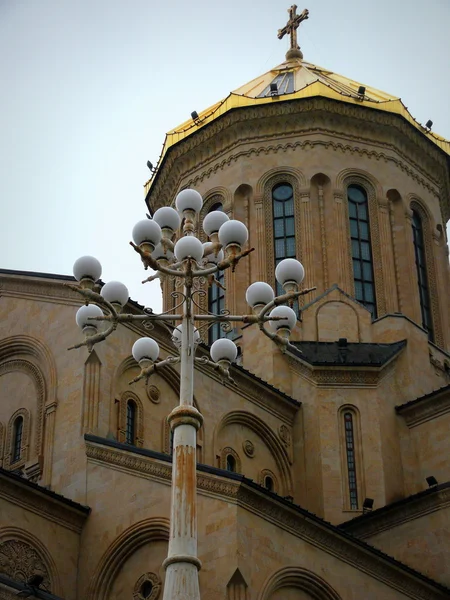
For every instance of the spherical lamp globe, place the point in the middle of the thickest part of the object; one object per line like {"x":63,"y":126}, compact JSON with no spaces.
{"x":189,"y":200}
{"x":85,"y":312}
{"x":145,"y":349}
{"x":189,"y":246}
{"x":259,"y":293}
{"x":224,"y":349}
{"x":287,"y":322}
{"x":115,"y":292}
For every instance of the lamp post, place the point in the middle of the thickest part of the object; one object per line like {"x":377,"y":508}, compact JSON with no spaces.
{"x":192,"y":264}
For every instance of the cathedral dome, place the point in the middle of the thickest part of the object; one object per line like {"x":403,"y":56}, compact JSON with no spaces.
{"x":295,"y":79}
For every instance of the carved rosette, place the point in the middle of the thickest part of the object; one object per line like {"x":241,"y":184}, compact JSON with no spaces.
{"x":249,"y":448}
{"x":19,"y":561}
{"x":147,"y":587}
{"x":153,"y":393}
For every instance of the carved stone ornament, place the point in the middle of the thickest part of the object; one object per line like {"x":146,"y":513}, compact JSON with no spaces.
{"x":153,"y":394}
{"x":249,"y":448}
{"x":285,"y":435}
{"x":20,"y":561}
{"x":147,"y":587}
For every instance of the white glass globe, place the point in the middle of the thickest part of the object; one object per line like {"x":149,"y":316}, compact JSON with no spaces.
{"x":189,"y":200}
{"x":289,"y":321}
{"x":213,"y":221}
{"x":167,"y":216}
{"x":147,"y":230}
{"x":189,"y":246}
{"x":178,"y":331}
{"x":115,"y":291}
{"x":158,"y":253}
{"x":83,"y":314}
{"x":211,"y":257}
{"x":233,"y":232}
{"x":145,"y":348}
{"x":87,"y":266}
{"x":259,"y":293}
{"x":223,"y":349}
{"x":289,"y":269}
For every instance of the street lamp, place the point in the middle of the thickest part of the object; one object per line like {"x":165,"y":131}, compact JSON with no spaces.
{"x":193,"y":264}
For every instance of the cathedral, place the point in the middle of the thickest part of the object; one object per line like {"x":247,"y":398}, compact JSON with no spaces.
{"x":323,"y":467}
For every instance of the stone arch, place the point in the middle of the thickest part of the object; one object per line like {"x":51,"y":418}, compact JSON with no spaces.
{"x":272,"y":441}
{"x":303,"y":579}
{"x":358,"y":454}
{"x":264,"y":186}
{"x":428,"y":227}
{"x":268,"y":473}
{"x":223,"y":459}
{"x":136,"y":536}
{"x":35,"y":556}
{"x":217,"y":194}
{"x":126,"y":397}
{"x":351,"y":331}
{"x":374,"y":192}
{"x":170,"y":376}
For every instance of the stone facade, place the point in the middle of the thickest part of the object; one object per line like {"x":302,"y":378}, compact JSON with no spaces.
{"x":284,"y":418}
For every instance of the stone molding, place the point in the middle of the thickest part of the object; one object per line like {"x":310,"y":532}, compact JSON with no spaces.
{"x":24,"y":285}
{"x":302,"y":525}
{"x":410,"y":147}
{"x":333,"y":377}
{"x":38,"y":503}
{"x":394,"y":516}
{"x":298,"y":577}
{"x":129,"y":396}
{"x":425,"y":410}
{"x":25,"y":441}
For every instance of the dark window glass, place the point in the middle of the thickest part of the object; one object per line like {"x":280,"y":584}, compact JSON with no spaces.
{"x":421,"y":266}
{"x":283,"y":227}
{"x":350,"y":455}
{"x":17,"y":439}
{"x":268,"y":483}
{"x":146,"y":589}
{"x":131,"y":423}
{"x":231,"y":463}
{"x":361,"y":248}
{"x":216,"y":298}
{"x":285,"y":85}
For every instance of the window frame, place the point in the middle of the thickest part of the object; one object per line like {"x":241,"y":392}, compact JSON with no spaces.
{"x":421,"y":262}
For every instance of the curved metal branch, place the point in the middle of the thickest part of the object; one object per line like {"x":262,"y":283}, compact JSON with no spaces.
{"x":224,"y":373}
{"x":95,"y":339}
{"x":283,"y":300}
{"x":148,"y":371}
{"x":97,"y":298}
{"x":149,"y":261}
{"x":225,"y":264}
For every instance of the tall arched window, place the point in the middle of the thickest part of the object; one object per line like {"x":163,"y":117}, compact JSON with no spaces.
{"x":358,"y":210}
{"x":216,"y":296}
{"x":130,"y":437}
{"x":350,"y":453}
{"x":17,"y":440}
{"x":283,"y":224}
{"x":421,"y":266}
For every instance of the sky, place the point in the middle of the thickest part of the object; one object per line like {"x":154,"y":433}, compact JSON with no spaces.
{"x":90,"y":87}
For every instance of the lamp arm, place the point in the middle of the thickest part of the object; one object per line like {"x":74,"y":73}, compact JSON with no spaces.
{"x":147,"y":371}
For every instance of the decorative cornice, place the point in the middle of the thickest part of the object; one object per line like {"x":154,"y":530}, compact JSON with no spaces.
{"x":38,"y":502}
{"x":426,"y":408}
{"x":400,"y":512}
{"x":283,"y":514}
{"x":263,"y":122}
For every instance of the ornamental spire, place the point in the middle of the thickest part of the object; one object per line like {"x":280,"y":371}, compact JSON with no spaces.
{"x":291,"y":29}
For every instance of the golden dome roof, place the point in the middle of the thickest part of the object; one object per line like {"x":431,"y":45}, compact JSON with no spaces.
{"x":296,"y":79}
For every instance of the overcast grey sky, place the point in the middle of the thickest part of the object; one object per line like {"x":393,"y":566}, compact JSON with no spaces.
{"x":90,"y":87}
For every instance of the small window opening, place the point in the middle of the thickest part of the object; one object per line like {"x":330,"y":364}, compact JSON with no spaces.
{"x":17,"y":439}
{"x":146,"y":589}
{"x":268,"y":483}
{"x":231,"y":463}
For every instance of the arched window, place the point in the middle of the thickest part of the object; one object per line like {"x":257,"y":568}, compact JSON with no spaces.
{"x":130,"y":437}
{"x":268,"y":483}
{"x":216,"y":296}
{"x":17,"y":440}
{"x":231,"y":463}
{"x":421,"y":266}
{"x":358,"y":209}
{"x":351,"y":459}
{"x":283,"y":224}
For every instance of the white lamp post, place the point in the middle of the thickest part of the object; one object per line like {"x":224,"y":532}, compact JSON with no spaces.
{"x":192,"y":262}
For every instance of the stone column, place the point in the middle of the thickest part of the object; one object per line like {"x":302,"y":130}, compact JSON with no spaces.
{"x":323,"y":238}
{"x":50,"y":413}
{"x":260,"y":242}
{"x":387,"y":256}
{"x":91,"y":393}
{"x":305,"y":240}
{"x":412,"y":307}
{"x":395,"y":249}
{"x":339,"y":243}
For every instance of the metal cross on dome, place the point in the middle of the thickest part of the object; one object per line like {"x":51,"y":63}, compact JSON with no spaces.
{"x":292,"y":26}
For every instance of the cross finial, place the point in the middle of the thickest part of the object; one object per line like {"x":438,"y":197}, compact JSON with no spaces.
{"x":291,"y":28}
